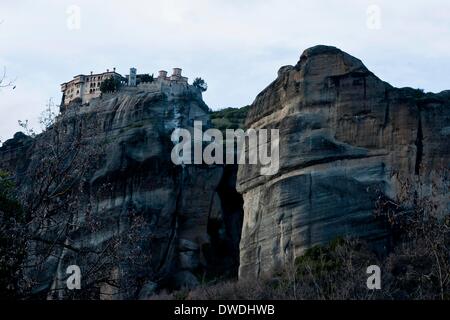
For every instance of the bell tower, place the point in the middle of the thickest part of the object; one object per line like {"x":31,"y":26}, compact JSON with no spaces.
{"x":132,"y":78}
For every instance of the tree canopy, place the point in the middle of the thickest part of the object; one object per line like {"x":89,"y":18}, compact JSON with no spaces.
{"x":145,"y":78}
{"x":201,"y":84}
{"x":110,"y":85}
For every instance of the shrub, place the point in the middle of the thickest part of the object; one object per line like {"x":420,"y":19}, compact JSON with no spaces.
{"x":146,"y":78}
{"x":201,"y":84}
{"x":110,"y":85}
{"x":414,"y":270}
{"x":12,"y":243}
{"x":229,"y":118}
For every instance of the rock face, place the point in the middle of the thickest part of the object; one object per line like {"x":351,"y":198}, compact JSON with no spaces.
{"x":345,"y":136}
{"x":104,"y":194}
{"x":136,"y":222}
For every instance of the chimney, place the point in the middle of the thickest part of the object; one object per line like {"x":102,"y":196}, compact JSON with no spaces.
{"x":107,"y":70}
{"x":132,"y":81}
{"x":92,"y":72}
{"x":176,"y":72}
{"x":114,"y":69}
{"x":162,"y":74}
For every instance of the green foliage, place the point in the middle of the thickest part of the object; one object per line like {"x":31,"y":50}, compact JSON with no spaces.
{"x":181,"y":295}
{"x":419,"y":93}
{"x":337,"y":271}
{"x":320,"y":260}
{"x":110,"y":85}
{"x":201,"y":84}
{"x":229,"y":118}
{"x":146,"y":78}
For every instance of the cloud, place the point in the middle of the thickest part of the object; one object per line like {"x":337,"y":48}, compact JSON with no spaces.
{"x":237,"y":46}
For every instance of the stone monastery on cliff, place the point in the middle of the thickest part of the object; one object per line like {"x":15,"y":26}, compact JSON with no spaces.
{"x":83,"y":88}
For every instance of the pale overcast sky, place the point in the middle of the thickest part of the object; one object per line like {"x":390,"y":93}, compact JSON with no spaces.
{"x":236,"y":46}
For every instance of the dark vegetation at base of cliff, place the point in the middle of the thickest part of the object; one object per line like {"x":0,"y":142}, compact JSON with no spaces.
{"x":417,"y":266}
{"x":11,"y":235}
{"x":416,"y":269}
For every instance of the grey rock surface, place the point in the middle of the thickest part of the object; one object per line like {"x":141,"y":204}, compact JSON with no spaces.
{"x":136,"y":223}
{"x":345,"y":136}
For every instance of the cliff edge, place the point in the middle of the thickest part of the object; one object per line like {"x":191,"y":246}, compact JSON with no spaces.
{"x":346,"y":138}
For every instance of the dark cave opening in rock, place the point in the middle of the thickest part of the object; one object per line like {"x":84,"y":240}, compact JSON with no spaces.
{"x":225,"y":232}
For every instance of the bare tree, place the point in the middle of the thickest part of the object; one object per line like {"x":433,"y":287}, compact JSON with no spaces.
{"x":420,"y":263}
{"x":4,"y":82}
{"x":54,"y":189}
{"x":417,"y":267}
{"x":60,"y":213}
